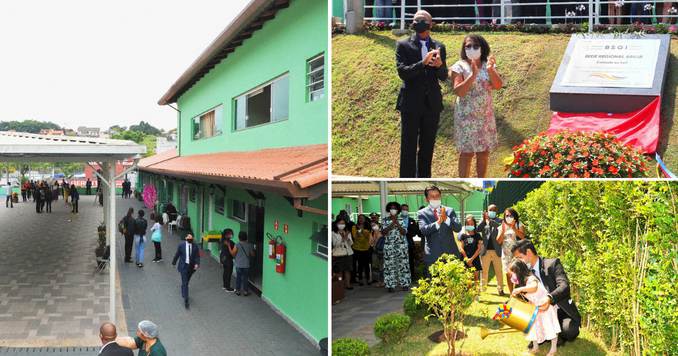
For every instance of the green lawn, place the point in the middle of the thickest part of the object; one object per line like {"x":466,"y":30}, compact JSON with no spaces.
{"x":366,"y":126}
{"x":416,"y":341}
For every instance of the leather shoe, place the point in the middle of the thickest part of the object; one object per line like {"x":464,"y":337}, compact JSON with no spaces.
{"x":186,"y":303}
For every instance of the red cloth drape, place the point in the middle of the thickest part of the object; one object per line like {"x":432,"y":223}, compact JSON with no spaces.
{"x":639,"y":129}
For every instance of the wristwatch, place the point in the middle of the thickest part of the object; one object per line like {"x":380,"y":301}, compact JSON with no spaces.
{"x":552,"y":301}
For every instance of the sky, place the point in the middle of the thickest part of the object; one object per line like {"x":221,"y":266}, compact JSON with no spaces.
{"x":101,"y":63}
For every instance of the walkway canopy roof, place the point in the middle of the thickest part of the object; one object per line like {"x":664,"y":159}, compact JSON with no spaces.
{"x":365,"y":188}
{"x":21,"y":146}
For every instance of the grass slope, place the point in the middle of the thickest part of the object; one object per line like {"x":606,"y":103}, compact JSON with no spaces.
{"x":366,"y":126}
{"x":416,"y":341}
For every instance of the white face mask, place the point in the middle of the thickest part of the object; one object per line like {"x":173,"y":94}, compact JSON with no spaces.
{"x":509,"y":219}
{"x":394,"y":212}
{"x":375,"y":227}
{"x":341,"y":226}
{"x":473,"y":54}
{"x":435,"y":204}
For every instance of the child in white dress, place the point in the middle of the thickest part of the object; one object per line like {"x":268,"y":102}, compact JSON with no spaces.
{"x":546,"y":325}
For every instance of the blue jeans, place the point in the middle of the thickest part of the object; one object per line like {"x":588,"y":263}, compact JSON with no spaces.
{"x":139,"y":248}
{"x":242,"y":276}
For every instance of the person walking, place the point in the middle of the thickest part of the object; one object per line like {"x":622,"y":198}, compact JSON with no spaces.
{"x":226,"y":258}
{"x":8,"y":201}
{"x":140,"y":225}
{"x":75,"y":198}
{"x":88,"y":187}
{"x":156,"y":236}
{"x":242,"y":252}
{"x":188,"y":259}
{"x":127,"y":227}
{"x":23,"y":191}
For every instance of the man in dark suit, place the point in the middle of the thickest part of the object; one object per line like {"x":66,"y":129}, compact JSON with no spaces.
{"x":412,"y":230}
{"x":551,"y":273}
{"x":421,"y":64}
{"x":188,"y":257}
{"x":490,"y":254}
{"x":108,"y":334}
{"x":437,"y":224}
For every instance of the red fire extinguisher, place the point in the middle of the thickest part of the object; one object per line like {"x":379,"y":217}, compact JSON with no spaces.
{"x":271,"y":246}
{"x":280,"y":258}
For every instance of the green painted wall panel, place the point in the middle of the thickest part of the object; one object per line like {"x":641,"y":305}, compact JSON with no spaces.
{"x":283,"y":45}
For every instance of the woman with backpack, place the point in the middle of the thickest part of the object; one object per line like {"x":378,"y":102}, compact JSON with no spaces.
{"x":242,"y":252}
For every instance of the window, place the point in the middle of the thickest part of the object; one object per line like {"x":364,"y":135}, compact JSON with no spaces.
{"x":219,"y":201}
{"x":319,"y":240}
{"x":170,"y":191}
{"x":263,"y":105}
{"x":315,"y":78}
{"x":183,"y":199}
{"x":194,"y":193}
{"x":208,"y":124}
{"x":239,"y":211}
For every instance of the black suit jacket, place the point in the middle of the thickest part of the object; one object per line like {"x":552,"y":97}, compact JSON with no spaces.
{"x":490,"y":231}
{"x":113,"y":349}
{"x":180,"y":256}
{"x":420,"y":88}
{"x":412,"y":231}
{"x":555,"y":280}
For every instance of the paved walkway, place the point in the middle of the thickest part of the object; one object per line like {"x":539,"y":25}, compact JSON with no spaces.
{"x":218,"y":323}
{"x":357,"y":312}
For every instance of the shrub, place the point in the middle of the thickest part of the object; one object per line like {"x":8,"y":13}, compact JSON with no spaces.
{"x":573,"y":154}
{"x":391,"y":327}
{"x":617,"y":242}
{"x":349,"y":347}
{"x":413,"y":309}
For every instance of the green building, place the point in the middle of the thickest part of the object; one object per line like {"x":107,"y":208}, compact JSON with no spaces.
{"x":252,"y":151}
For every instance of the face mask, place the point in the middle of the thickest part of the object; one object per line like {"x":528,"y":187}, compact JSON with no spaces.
{"x":492,"y":214}
{"x":375,"y":227}
{"x":341,"y":226}
{"x":405,"y":213}
{"x":435,"y":204}
{"x":229,"y":237}
{"x":394,"y":212}
{"x":421,"y":26}
{"x":470,"y":228}
{"x":509,"y":219}
{"x":472,"y":53}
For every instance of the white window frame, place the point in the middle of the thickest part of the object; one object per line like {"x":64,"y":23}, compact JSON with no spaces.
{"x":218,"y":118}
{"x":271,"y":114}
{"x":309,"y":92}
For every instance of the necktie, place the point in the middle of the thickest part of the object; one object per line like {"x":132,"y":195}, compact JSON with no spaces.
{"x":188,"y":253}
{"x":435,"y":214}
{"x":534,"y":272}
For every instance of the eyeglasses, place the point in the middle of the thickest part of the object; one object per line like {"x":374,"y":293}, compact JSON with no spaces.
{"x":474,"y":46}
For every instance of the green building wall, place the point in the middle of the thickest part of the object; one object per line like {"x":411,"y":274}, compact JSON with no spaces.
{"x":283,"y":45}
{"x":305,"y":277}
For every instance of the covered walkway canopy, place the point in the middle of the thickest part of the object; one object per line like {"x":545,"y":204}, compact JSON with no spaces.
{"x":358,"y":189}
{"x":22,"y":147}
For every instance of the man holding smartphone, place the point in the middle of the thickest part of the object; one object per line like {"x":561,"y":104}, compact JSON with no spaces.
{"x":421,"y":64}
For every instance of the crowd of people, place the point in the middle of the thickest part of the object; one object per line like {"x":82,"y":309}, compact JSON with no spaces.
{"x":556,"y":12}
{"x":44,"y":193}
{"x":385,"y":253}
{"x":233,"y":254}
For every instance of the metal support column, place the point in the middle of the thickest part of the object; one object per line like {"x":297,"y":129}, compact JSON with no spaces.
{"x":110,"y":231}
{"x":383,"y":195}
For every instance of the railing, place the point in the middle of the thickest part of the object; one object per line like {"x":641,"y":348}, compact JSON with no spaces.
{"x":505,"y":12}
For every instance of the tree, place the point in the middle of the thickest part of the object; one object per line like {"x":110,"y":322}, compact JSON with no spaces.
{"x":448,"y":294}
{"x":146,"y":128}
{"x":30,"y":126}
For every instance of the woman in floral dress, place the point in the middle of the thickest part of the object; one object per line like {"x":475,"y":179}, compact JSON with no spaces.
{"x":475,"y":131}
{"x":396,"y":258}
